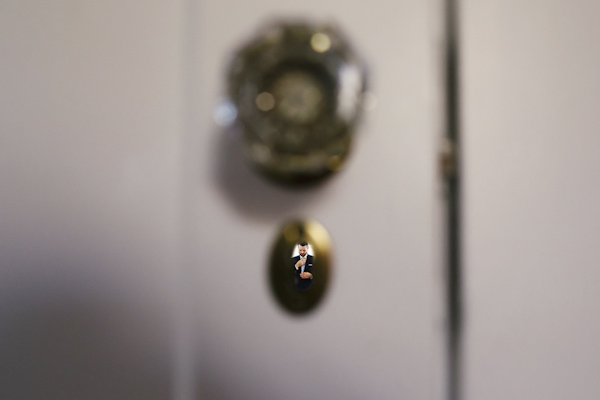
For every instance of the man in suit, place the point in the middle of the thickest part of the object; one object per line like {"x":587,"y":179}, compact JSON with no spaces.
{"x":303,"y":264}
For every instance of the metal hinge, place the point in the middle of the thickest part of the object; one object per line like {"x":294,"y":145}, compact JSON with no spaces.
{"x":448,"y":159}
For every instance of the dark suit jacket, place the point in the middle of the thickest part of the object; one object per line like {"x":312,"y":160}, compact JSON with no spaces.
{"x":308,"y":267}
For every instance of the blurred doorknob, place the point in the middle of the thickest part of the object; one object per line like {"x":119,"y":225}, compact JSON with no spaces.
{"x":298,"y":90}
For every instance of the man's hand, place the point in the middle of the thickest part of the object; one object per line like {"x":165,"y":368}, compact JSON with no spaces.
{"x":300,"y":263}
{"x":305,"y":275}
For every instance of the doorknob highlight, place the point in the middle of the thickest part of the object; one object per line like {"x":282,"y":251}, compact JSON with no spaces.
{"x":298,"y":90}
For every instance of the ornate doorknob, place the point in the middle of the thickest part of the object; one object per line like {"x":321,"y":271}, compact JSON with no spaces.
{"x":298,"y":89}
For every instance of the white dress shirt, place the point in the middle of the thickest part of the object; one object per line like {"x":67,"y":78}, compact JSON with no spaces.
{"x":303,"y":258}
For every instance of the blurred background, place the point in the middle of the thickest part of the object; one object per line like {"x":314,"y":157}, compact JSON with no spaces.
{"x":134,"y":239}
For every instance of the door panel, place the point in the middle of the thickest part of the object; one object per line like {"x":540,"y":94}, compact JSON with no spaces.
{"x":100,"y":206}
{"x":531,"y":144}
{"x":378,"y":333}
{"x":89,"y":201}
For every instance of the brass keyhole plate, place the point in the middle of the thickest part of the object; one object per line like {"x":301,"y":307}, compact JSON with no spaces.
{"x":299,"y":283}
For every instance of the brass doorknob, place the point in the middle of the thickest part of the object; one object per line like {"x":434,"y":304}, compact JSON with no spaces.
{"x":298,"y":90}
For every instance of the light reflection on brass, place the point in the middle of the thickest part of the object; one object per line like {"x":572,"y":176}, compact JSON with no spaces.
{"x":320,"y":42}
{"x":282,"y":273}
{"x":265,"y":101}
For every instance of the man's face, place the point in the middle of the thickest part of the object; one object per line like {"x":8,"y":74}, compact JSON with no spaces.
{"x":302,"y":250}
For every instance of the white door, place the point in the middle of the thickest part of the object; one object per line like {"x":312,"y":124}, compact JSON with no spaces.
{"x":90,"y":122}
{"x":379,"y":332}
{"x":134,"y":240}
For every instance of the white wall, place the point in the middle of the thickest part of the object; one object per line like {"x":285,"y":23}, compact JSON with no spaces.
{"x":531,"y":143}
